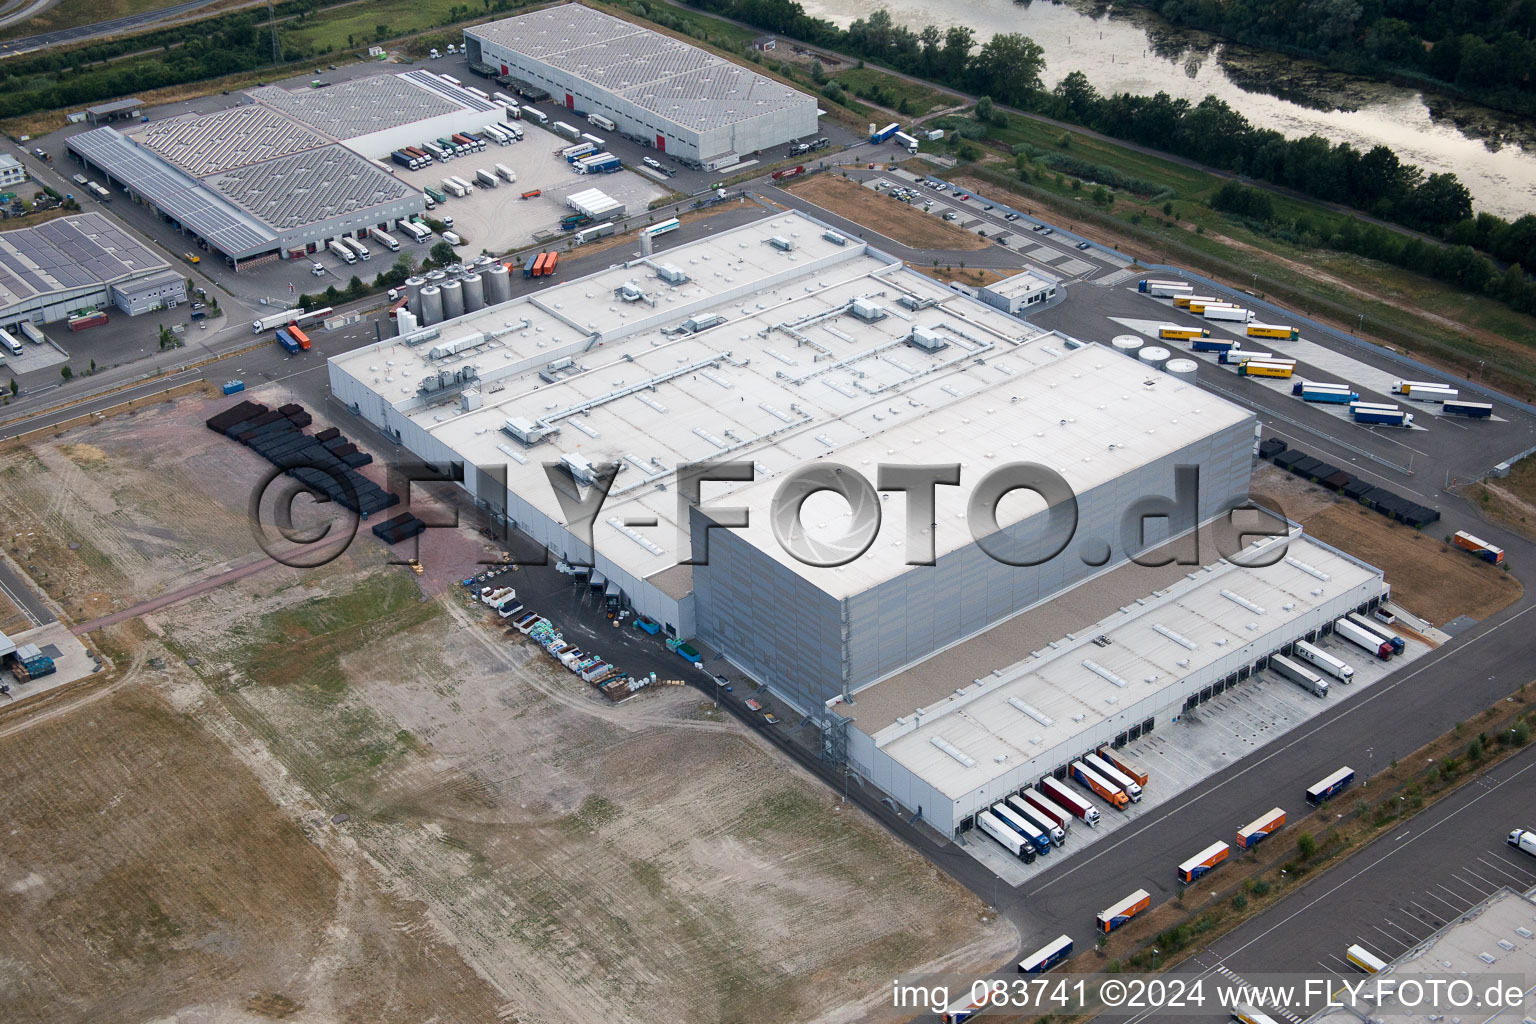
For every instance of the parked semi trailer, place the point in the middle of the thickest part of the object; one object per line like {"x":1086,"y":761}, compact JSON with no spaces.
{"x":878,"y":135}
{"x":1479,"y":547}
{"x":507,"y":173}
{"x":1097,"y":784}
{"x":1047,"y":956}
{"x":1125,"y":765}
{"x":1377,"y":413}
{"x":1363,"y":638}
{"x":358,"y":248}
{"x":1234,"y":313}
{"x":1114,"y":776}
{"x":1325,"y":662}
{"x":1164,"y":289}
{"x":1260,"y":828}
{"x":1048,"y":807}
{"x":1203,"y":862}
{"x":1183,"y":301}
{"x":1523,"y":839}
{"x":384,"y":239}
{"x":1330,"y":786}
{"x":1038,"y":818}
{"x":1122,"y":911}
{"x":1300,"y":675}
{"x":266,"y":323}
{"x":1174,"y":332}
{"x":1371,"y":626}
{"x":1405,"y":387}
{"x":1023,"y":826}
{"x":1474,"y":410}
{"x":341,"y":251}
{"x":1333,"y":394}
{"x":286,"y":340}
{"x":1010,"y":840}
{"x":1279,"y":331}
{"x":1079,"y":807}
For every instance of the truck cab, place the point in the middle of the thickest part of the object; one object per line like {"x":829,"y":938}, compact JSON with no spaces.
{"x":1523,"y":839}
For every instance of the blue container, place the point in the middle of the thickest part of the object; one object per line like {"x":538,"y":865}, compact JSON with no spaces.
{"x":233,"y":386}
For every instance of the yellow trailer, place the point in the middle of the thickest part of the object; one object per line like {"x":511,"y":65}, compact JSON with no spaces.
{"x":1278,"y":331}
{"x":1175,"y":332}
{"x":1266,"y":368}
{"x":1183,"y":301}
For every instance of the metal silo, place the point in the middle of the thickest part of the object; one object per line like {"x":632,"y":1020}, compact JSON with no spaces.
{"x":431,"y":305}
{"x":413,"y":293}
{"x":453,"y":299}
{"x":498,"y":285}
{"x":474,"y":293}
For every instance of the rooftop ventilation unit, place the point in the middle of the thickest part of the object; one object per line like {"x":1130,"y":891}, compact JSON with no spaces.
{"x":928,"y":341}
{"x":579,"y":466}
{"x":527,"y":433}
{"x":699,"y":324}
{"x":781,"y":243}
{"x":867,"y":311}
{"x":835,"y":238}
{"x":670,"y":274}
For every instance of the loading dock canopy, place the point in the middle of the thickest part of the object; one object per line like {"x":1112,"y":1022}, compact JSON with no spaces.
{"x":597,"y":580}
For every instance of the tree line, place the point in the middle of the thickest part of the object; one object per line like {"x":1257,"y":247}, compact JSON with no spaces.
{"x":1008,"y":70}
{"x":1484,"y":48}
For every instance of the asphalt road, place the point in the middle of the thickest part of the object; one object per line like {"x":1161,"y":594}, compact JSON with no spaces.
{"x":24,"y":597}
{"x":95,"y":30}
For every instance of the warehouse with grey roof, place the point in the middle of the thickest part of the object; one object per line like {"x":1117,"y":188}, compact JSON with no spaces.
{"x":84,"y":262}
{"x":697,"y":107}
{"x":287,"y":172}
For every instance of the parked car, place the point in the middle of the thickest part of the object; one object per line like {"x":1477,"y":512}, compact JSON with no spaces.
{"x":1083,"y":245}
{"x":191,"y":257}
{"x":1010,"y":216}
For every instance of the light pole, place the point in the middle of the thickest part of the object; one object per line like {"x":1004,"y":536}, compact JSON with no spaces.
{"x":1370,"y":758}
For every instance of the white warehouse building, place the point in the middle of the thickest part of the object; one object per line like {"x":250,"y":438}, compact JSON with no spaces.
{"x":782,"y":346}
{"x":687,"y":102}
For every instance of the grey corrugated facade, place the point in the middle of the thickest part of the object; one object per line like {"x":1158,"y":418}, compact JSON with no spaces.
{"x":809,"y":645}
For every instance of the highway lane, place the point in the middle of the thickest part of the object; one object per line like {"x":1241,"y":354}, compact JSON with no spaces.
{"x":95,"y":30}
{"x":24,"y":597}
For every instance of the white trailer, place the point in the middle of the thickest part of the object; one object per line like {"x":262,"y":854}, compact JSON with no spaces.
{"x":905,"y":141}
{"x":1038,"y":818}
{"x":1440,"y":395}
{"x":1131,"y":786}
{"x":517,"y":132}
{"x":387,"y":241}
{"x":1321,"y":659}
{"x":601,"y":122}
{"x":1233,"y":313}
{"x":1300,"y":675}
{"x":1011,"y":840}
{"x":599,"y":143}
{"x":272,"y":320}
{"x":1023,"y":826}
{"x":495,"y":134}
{"x":1363,"y":638}
{"x":358,"y":248}
{"x":337,"y":249}
{"x":465,"y":185}
{"x":1166,"y":289}
{"x":507,"y":173}
{"x":33,"y":335}
{"x":452,"y":186}
{"x":570,"y":131}
{"x":9,"y":342}
{"x":418,"y":232}
{"x":535,"y":114}
{"x":486,"y":179}
{"x":504,"y":100}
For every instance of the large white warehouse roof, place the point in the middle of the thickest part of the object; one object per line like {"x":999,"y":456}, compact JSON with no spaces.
{"x":680,"y":83}
{"x":732,"y":347}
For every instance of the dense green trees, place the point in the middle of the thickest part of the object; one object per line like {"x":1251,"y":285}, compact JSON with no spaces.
{"x":1484,"y":47}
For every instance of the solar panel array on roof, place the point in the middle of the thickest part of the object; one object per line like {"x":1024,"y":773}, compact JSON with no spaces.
{"x":69,"y":254}
{"x":349,"y":110}
{"x":681,"y":83}
{"x":204,"y":144}
{"x":308,"y":187}
{"x":175,"y":192}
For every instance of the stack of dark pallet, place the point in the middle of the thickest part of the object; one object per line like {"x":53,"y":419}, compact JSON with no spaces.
{"x":1335,"y":479}
{"x":403,"y":527}
{"x":325,"y":462}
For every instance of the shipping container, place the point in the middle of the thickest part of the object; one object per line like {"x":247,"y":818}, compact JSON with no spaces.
{"x":298,"y":336}
{"x":1203,"y":862}
{"x":1122,"y":911}
{"x":1047,"y":956}
{"x":551,"y":264}
{"x":533,"y":261}
{"x":1260,"y":828}
{"x":1330,"y":786}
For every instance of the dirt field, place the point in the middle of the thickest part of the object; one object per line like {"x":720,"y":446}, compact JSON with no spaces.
{"x":973,"y":276}
{"x":1510,"y":501}
{"x":514,"y":846}
{"x":896,"y":220}
{"x":1429,"y":577}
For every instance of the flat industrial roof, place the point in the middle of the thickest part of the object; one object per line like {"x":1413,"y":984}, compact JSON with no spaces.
{"x":679,"y":83}
{"x":1045,"y":698}
{"x":204,"y":144}
{"x":362,"y":106}
{"x":787,"y":376}
{"x":68,"y":254}
{"x":175,"y":192}
{"x":1023,"y":282}
{"x":116,"y":106}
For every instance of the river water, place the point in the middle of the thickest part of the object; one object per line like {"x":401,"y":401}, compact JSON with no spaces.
{"x":1117,"y":56}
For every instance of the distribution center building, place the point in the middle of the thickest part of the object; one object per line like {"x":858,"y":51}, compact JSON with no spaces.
{"x":695,"y":106}
{"x":282,"y":175}
{"x":780,"y":346}
{"x":84,"y":262}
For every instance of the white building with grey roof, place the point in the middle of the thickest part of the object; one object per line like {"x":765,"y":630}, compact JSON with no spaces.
{"x":82,"y":262}
{"x":687,"y":102}
{"x":284,"y":174}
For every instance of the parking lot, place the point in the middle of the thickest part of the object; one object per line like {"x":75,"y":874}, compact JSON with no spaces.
{"x":1199,"y":746}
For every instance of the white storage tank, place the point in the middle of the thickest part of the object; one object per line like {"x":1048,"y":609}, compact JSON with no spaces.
{"x":1154,"y":355}
{"x":498,"y":285}
{"x":1130,"y":344}
{"x":1181,"y":367}
{"x":405,"y":322}
{"x":431,"y":305}
{"x":474,"y":293}
{"x":453,"y":299}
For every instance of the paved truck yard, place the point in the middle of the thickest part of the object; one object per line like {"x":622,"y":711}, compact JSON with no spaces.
{"x":836,"y":732}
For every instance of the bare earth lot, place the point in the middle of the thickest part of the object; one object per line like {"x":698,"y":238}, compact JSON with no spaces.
{"x":908,"y":225}
{"x":514,"y":847}
{"x":1429,"y":577}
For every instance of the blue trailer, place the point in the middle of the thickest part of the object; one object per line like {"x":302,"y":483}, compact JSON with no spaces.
{"x":1331,"y":786}
{"x":286,"y":340}
{"x":882,"y":134}
{"x":1374,"y":412}
{"x":528,"y":267}
{"x":1214,"y":344}
{"x":1476,"y":410}
{"x":1336,"y":394}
